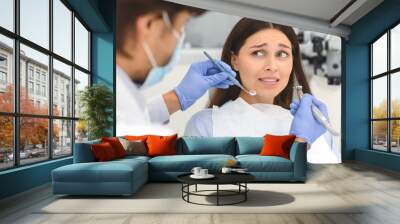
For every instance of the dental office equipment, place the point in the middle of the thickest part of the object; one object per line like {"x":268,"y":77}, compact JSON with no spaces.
{"x":316,"y":112}
{"x":235,"y":81}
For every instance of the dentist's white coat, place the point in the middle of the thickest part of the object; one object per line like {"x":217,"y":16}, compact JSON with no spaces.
{"x":136,"y":116}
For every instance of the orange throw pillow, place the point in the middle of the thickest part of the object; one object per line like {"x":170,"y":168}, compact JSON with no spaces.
{"x":103,"y":151}
{"x":136,"y":138}
{"x":116,"y":145}
{"x":277,"y":145}
{"x":161,"y":145}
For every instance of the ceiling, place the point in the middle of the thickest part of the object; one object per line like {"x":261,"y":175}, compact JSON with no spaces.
{"x":327,"y":16}
{"x":320,"y":9}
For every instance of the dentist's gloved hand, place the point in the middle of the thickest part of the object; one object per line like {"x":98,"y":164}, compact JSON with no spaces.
{"x":200,"y":77}
{"x":304,"y":124}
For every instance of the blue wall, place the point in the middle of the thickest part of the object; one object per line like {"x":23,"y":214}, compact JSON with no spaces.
{"x":24,"y":178}
{"x":99,"y":16}
{"x":103,"y":53}
{"x":356,"y":85}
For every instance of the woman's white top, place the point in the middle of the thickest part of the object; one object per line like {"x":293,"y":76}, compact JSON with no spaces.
{"x":238,"y":118}
{"x":136,"y":116}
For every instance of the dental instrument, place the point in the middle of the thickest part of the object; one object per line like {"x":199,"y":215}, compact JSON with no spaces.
{"x":235,"y":81}
{"x":316,"y":112}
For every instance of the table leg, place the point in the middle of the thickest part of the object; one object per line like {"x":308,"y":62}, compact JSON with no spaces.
{"x":217,"y":194}
{"x":196,"y":188}
{"x":182,"y":189}
{"x":245,"y":191}
{"x":188,"y":189}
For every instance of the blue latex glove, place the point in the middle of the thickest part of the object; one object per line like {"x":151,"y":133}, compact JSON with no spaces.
{"x":304,"y":124}
{"x":200,"y":77}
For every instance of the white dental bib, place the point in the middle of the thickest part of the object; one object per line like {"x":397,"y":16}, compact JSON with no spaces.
{"x":238,"y":118}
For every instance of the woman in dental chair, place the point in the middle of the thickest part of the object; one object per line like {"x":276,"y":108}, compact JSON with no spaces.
{"x":267,"y":59}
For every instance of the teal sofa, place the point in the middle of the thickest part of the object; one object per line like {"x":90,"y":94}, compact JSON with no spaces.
{"x":125,"y":176}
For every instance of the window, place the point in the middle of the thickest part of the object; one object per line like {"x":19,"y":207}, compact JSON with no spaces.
{"x":43,"y":77}
{"x":30,"y":72}
{"x":44,"y":91}
{"x":62,"y":137}
{"x":3,"y":78}
{"x":3,"y":72}
{"x":37,"y":75}
{"x":6,"y":142}
{"x":7,"y":14}
{"x":3,"y":61}
{"x":34,"y":21}
{"x":395,"y":47}
{"x":81,"y":81}
{"x":38,"y":89}
{"x":62,"y":75}
{"x":39,"y":80}
{"x":81,"y":45}
{"x":6,"y":89}
{"x":33,"y":149}
{"x":30,"y":87}
{"x":385,"y":97}
{"x":62,"y":31}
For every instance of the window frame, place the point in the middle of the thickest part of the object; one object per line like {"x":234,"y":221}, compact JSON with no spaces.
{"x":16,"y":115}
{"x":388,"y":74}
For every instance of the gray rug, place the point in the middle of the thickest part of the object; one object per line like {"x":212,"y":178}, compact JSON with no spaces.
{"x":166,"y":198}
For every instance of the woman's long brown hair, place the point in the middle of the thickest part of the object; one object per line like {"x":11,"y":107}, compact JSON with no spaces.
{"x":239,"y":34}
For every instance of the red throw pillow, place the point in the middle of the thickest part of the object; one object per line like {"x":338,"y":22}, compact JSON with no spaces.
{"x":161,"y":145}
{"x":116,"y":145}
{"x":103,"y":151}
{"x":277,"y":145}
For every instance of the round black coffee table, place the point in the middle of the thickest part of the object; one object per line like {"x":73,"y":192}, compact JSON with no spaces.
{"x":238,"y":179}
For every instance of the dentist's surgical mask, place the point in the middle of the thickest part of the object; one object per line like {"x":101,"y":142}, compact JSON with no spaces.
{"x":157,"y":73}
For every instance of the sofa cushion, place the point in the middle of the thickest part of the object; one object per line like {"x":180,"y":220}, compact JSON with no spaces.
{"x":190,"y":145}
{"x":112,"y":171}
{"x":257,"y":163}
{"x":249,"y":145}
{"x":185,"y":163}
{"x":132,"y":158}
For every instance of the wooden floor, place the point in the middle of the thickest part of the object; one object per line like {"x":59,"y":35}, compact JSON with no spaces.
{"x":379,"y":188}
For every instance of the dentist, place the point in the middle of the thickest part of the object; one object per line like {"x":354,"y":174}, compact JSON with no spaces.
{"x":149,"y":39}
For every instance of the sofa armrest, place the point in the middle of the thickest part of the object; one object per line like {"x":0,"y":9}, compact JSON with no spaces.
{"x":83,"y":152}
{"x":298,"y":155}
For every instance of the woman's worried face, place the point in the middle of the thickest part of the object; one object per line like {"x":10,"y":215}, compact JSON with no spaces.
{"x":265,"y":62}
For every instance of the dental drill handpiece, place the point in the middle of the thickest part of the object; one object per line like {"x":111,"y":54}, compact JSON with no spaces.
{"x":235,"y":81}
{"x":317,"y":113}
